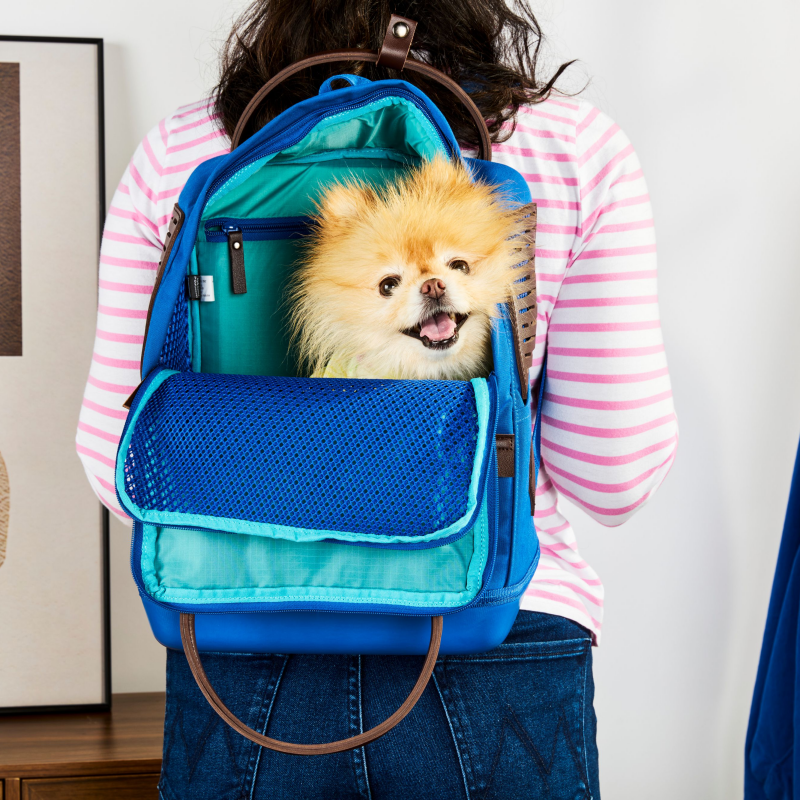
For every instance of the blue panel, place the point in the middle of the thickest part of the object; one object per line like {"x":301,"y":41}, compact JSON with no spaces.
{"x":142,"y":553}
{"x":365,"y":460}
{"x":509,"y":408}
{"x":514,"y":186}
{"x":526,"y":542}
{"x":474,"y":630}
{"x":518,"y":546}
{"x":175,"y":353}
{"x":172,"y":282}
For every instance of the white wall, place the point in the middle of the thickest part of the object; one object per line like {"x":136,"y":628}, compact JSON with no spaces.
{"x":707,"y":93}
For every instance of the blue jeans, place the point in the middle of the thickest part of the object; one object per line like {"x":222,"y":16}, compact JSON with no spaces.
{"x":516,"y":722}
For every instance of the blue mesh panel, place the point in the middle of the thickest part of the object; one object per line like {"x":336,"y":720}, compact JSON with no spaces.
{"x":175,"y":352}
{"x":357,"y":456}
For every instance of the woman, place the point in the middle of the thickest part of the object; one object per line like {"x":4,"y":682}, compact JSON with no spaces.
{"x":516,"y":722}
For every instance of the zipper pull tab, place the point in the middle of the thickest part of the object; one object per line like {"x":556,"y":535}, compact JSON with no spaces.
{"x":194,"y":287}
{"x":236,"y":254}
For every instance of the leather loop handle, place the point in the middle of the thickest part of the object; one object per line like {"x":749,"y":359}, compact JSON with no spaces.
{"x":193,"y":657}
{"x":371,"y":57}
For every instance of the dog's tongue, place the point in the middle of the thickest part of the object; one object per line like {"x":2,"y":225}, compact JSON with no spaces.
{"x":438,"y":327}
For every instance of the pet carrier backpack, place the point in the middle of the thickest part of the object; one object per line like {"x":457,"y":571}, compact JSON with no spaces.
{"x":280,"y":514}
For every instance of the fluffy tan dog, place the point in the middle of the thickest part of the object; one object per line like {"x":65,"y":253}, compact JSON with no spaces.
{"x":403,"y":282}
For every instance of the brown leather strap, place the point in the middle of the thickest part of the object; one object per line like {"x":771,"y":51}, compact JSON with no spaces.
{"x":236,"y":259}
{"x":504,"y":447}
{"x":193,"y":657}
{"x":397,"y":42}
{"x":524,"y":308}
{"x":368,"y":56}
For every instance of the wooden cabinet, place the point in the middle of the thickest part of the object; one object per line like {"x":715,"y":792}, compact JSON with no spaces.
{"x":120,"y":787}
{"x":101,"y":756}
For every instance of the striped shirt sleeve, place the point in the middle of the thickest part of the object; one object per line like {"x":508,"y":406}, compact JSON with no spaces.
{"x":129,"y":254}
{"x":609,"y":430}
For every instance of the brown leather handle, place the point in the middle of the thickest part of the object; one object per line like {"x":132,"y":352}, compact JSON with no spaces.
{"x":193,"y":657}
{"x":369,"y":56}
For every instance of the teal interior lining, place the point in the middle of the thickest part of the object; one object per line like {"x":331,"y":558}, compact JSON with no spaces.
{"x":189,"y":566}
{"x":390,"y":123}
{"x":246,"y":334}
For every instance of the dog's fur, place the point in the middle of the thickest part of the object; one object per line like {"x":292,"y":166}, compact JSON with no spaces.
{"x":413,"y":230}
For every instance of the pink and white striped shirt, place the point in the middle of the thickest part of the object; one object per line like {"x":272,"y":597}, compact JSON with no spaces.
{"x":609,"y":430}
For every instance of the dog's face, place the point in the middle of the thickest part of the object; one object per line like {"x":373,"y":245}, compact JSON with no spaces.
{"x":406,"y":281}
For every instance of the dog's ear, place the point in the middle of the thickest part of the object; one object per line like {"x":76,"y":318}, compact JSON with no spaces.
{"x":344,"y":202}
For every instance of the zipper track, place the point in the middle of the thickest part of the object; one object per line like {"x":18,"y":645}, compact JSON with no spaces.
{"x":217,"y":229}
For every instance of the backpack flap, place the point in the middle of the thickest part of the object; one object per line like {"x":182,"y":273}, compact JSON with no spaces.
{"x":278,"y":492}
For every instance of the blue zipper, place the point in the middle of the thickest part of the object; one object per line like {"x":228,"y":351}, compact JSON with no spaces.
{"x":218,"y":229}
{"x":238,"y":231}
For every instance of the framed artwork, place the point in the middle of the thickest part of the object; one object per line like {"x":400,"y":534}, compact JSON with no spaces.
{"x":54,"y":576}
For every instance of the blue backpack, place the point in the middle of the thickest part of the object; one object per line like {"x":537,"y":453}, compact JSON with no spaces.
{"x":377,"y":516}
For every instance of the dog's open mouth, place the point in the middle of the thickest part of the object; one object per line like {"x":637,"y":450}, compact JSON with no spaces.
{"x":439,"y":331}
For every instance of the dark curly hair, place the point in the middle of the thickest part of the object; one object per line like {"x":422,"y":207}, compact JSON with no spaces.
{"x":487,"y":46}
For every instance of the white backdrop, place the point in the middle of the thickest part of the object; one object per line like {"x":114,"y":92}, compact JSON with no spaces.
{"x":707,"y":93}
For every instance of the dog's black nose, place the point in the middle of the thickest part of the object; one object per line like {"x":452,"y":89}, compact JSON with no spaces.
{"x":433,"y":288}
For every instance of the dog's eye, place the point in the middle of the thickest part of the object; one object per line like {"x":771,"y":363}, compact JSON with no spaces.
{"x":388,"y":285}
{"x":459,"y":264}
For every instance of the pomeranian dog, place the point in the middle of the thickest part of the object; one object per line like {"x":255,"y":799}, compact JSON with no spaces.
{"x":403,"y":281}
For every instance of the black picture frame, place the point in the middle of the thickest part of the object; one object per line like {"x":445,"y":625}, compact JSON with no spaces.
{"x":105,"y":705}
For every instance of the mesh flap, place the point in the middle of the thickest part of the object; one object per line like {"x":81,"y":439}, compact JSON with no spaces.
{"x":308,"y":459}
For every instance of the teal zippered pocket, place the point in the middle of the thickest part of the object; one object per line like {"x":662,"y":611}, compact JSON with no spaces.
{"x":243,"y":265}
{"x":238,"y":231}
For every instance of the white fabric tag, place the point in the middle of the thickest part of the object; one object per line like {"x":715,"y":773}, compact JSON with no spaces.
{"x":206,"y":288}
